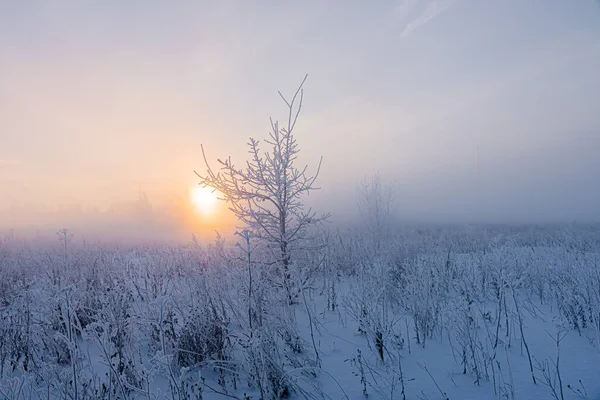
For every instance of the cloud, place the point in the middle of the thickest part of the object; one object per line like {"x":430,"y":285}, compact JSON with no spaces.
{"x":431,"y":11}
{"x":405,"y":9}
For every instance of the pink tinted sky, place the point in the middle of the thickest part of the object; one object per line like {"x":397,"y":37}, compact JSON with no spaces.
{"x":99,"y":99}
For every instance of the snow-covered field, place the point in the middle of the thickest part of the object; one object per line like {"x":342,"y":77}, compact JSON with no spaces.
{"x":432,"y":313}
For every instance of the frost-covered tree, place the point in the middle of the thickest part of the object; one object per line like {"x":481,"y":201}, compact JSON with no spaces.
{"x":375,"y":203}
{"x":267,"y":193}
{"x":376,"y":200}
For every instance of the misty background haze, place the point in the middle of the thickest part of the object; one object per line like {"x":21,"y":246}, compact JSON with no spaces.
{"x":480,"y":112}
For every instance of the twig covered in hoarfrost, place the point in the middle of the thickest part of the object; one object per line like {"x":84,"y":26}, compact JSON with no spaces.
{"x":267,"y":195}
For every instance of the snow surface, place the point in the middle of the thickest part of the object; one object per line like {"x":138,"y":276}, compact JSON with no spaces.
{"x":143,"y":298}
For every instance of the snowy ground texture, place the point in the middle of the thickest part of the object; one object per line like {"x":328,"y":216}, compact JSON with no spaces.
{"x":448,"y":313}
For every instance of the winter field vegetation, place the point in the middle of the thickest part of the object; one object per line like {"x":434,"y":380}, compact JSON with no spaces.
{"x":459,"y":313}
{"x":294,"y":308}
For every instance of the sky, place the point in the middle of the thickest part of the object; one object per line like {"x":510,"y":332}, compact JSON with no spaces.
{"x":478,"y":111}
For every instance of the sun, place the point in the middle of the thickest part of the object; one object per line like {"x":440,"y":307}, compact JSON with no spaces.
{"x":204,"y":199}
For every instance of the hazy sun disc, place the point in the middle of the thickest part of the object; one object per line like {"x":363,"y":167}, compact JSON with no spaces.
{"x":204,"y":199}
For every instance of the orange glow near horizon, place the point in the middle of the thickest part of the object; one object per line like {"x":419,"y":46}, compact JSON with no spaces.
{"x":207,"y":214}
{"x":205,"y":200}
